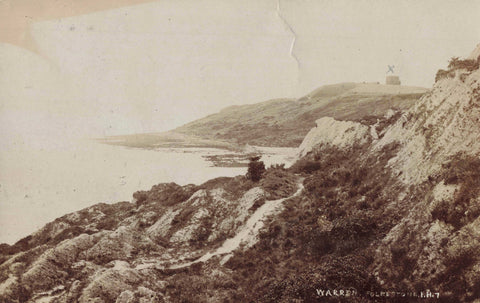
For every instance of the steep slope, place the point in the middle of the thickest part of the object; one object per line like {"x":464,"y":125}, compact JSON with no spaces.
{"x":445,"y":122}
{"x":418,"y":212}
{"x":284,"y":122}
{"x":120,"y":252}
{"x":438,"y":238}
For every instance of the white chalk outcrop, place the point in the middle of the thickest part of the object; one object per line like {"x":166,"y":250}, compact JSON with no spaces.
{"x":444,"y":122}
{"x":117,"y":261}
{"x":341,"y":134}
{"x":248,"y":233}
{"x":441,"y":225}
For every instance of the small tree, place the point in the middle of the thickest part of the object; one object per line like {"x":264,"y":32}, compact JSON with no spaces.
{"x":453,"y":63}
{"x":256,"y":169}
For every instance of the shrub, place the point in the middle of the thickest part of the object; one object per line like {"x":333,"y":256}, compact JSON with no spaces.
{"x":453,"y":279}
{"x":398,"y":252}
{"x":184,"y":216}
{"x":256,"y":169}
{"x":235,"y":187}
{"x":468,"y":64}
{"x":306,"y":166}
{"x":317,"y":243}
{"x":454,"y":64}
{"x":279,"y":183}
{"x":441,"y":211}
{"x":256,"y":205}
{"x":140,"y":197}
{"x":167,"y":194}
{"x":323,"y":237}
{"x":463,"y":170}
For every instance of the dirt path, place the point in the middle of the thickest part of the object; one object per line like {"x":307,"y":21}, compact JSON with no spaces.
{"x":247,"y":236}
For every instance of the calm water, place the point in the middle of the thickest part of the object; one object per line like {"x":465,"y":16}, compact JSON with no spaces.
{"x":39,"y":185}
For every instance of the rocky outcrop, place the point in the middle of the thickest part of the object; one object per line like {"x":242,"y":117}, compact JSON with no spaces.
{"x":339,"y":134}
{"x":438,"y":160}
{"x":443,"y":123}
{"x":118,"y":246}
{"x":433,"y":152}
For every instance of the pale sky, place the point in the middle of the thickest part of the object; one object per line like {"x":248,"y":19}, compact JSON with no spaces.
{"x":93,"y":68}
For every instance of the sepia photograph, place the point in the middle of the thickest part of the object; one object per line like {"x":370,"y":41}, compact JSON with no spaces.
{"x":256,"y":151}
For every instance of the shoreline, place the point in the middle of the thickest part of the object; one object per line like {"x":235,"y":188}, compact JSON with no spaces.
{"x":235,"y":155}
{"x":217,"y":163}
{"x":169,"y":139}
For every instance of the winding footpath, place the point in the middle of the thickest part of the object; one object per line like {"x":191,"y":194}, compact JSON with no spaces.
{"x":248,"y":234}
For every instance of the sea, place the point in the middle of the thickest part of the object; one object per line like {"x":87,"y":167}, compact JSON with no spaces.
{"x":42,"y":183}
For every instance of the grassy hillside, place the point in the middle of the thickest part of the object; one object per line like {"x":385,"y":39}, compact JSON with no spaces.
{"x":285,"y":122}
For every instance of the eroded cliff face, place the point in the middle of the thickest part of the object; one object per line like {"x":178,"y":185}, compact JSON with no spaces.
{"x":109,"y":252}
{"x":120,"y":252}
{"x":433,"y":244}
{"x":432,"y":185}
{"x":341,"y":134}
{"x":443,"y":123}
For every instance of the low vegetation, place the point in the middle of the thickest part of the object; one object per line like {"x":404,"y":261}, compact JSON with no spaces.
{"x":454,"y":64}
{"x":323,"y":236}
{"x":326,"y":237}
{"x":462,"y":170}
{"x":279,"y":182}
{"x":167,"y":194}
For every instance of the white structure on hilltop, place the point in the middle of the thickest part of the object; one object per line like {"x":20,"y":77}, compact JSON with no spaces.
{"x":392,"y":80}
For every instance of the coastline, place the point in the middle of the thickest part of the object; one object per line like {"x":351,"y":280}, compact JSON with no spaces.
{"x":235,"y":155}
{"x":169,"y":139}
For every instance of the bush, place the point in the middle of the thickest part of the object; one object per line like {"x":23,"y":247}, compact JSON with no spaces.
{"x":235,"y":187}
{"x":453,"y":280}
{"x":468,"y":64}
{"x":441,"y":211}
{"x":454,"y":64}
{"x":463,"y":170}
{"x":323,"y":237}
{"x":201,"y":234}
{"x":316,"y":243}
{"x":140,"y":197}
{"x":168,"y":194}
{"x":256,"y":169}
{"x":279,"y":182}
{"x":306,"y":166}
{"x":442,"y":74}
